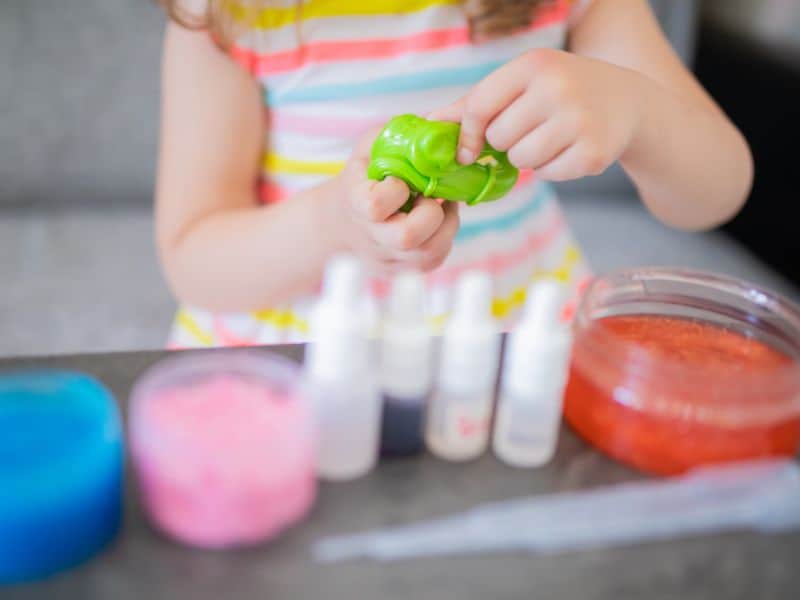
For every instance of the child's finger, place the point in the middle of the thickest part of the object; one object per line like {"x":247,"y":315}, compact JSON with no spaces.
{"x":514,"y":122}
{"x":541,"y":145}
{"x":483,"y":104}
{"x":378,"y":200}
{"x":446,"y":232}
{"x":576,"y":161}
{"x":448,"y":229}
{"x":423,"y":221}
{"x":407,"y":231}
{"x":383,"y":264}
{"x":387,"y":233}
{"x":436,"y":249}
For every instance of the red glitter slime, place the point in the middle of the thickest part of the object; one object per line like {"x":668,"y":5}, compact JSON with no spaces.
{"x":682,"y":394}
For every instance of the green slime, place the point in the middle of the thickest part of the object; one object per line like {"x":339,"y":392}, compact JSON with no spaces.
{"x":423,"y":154}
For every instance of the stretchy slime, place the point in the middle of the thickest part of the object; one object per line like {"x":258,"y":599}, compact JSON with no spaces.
{"x":60,"y":472}
{"x":223,"y":449}
{"x":423,"y":154}
{"x":687,"y":393}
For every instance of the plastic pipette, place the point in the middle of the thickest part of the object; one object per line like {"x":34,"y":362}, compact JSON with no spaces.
{"x":757,"y":496}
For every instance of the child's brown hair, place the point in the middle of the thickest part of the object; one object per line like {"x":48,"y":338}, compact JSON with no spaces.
{"x":487,"y":18}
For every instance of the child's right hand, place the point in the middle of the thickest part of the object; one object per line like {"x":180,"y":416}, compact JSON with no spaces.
{"x":366,"y":221}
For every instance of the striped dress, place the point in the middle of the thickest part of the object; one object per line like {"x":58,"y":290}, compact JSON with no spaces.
{"x":348,"y":65}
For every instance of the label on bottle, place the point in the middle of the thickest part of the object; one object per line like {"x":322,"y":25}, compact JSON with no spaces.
{"x":527,"y":427}
{"x":469,"y":369}
{"x":468,"y":419}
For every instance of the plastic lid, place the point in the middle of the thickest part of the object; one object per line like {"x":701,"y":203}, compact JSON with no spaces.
{"x":60,"y":472}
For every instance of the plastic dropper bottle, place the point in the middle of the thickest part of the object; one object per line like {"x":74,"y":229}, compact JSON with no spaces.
{"x":341,"y":378}
{"x":533,"y":381}
{"x":406,"y":366}
{"x":461,"y":405}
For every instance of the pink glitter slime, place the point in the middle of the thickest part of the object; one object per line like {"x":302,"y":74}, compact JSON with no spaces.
{"x":223,"y":461}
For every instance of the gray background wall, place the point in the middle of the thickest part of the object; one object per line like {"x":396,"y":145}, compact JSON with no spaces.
{"x":79,"y":99}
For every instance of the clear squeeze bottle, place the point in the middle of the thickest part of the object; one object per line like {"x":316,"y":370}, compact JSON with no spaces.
{"x":461,"y":405}
{"x":406,"y":367}
{"x":532,"y":384}
{"x":341,"y":377}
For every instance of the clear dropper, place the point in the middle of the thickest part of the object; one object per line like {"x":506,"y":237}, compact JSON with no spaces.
{"x":757,"y":496}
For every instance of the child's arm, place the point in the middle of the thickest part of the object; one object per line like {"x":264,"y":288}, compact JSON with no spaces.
{"x":223,"y":251}
{"x":622,"y":95}
{"x":692,"y":167}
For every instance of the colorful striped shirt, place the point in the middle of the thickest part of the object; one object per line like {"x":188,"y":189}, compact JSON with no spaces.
{"x":332,"y":69}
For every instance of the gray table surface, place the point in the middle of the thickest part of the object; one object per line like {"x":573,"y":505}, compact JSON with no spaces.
{"x":142,"y":565}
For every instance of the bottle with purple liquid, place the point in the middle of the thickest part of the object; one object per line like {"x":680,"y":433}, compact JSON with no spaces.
{"x":406,"y":367}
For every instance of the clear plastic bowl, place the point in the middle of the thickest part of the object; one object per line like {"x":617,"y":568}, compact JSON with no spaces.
{"x":673,"y":369}
{"x":223,"y":446}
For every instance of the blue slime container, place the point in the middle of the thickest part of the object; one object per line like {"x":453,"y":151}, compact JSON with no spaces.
{"x":61,"y":457}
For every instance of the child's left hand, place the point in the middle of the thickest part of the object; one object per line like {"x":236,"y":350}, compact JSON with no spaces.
{"x":564,"y":115}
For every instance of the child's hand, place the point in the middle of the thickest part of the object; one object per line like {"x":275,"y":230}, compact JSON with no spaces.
{"x":566,"y":116}
{"x":369,"y":224}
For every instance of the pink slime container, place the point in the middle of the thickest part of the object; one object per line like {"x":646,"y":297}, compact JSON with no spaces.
{"x":223,"y":447}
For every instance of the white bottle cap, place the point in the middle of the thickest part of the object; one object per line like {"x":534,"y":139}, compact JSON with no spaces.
{"x":543,"y":306}
{"x":471,"y":346}
{"x":343,"y":282}
{"x":407,"y":299}
{"x":339,"y":346}
{"x":539,"y":347}
{"x":406,"y":349}
{"x":473,"y":302}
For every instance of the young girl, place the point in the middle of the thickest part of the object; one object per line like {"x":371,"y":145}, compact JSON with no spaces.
{"x":270,"y":108}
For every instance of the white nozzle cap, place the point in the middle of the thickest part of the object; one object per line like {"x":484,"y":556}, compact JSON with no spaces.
{"x":539,"y":347}
{"x":407,"y":300}
{"x":406,"y":345}
{"x":543,"y":306}
{"x":473,"y":301}
{"x":339,"y":324}
{"x":343,"y":281}
{"x":471,"y":346}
